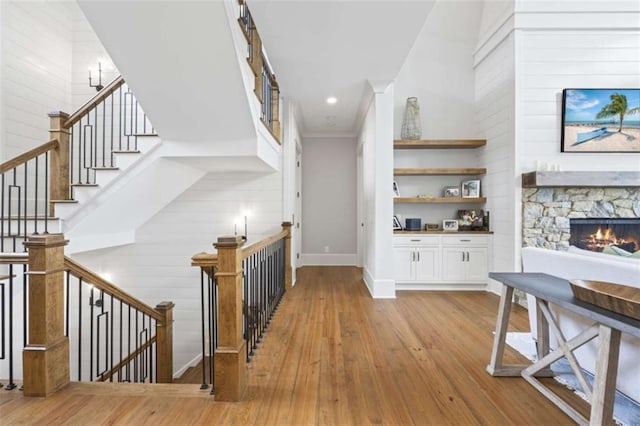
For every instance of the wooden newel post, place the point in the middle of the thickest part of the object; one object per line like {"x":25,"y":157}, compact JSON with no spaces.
{"x":230,"y":374}
{"x":286,"y":226}
{"x":46,"y":355}
{"x":59,"y":170}
{"x":164,"y":333}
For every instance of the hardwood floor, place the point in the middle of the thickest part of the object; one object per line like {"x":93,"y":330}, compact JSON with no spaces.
{"x":334,"y":356}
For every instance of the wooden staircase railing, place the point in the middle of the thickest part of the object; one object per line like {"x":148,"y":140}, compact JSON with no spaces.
{"x":241,"y":289}
{"x":78,"y":323}
{"x":30,"y":184}
{"x":266,"y":86}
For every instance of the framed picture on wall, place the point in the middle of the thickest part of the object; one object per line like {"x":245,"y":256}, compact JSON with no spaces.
{"x":600,"y":120}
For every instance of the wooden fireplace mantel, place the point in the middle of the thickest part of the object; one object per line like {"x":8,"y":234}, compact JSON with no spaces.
{"x":575,"y":179}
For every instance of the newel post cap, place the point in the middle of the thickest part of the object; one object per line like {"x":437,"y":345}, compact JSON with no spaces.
{"x":229,"y":242}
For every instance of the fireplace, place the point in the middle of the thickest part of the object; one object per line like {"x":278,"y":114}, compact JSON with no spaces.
{"x":596,"y":234}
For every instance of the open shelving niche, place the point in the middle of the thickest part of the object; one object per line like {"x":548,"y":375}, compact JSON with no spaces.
{"x":418,"y":171}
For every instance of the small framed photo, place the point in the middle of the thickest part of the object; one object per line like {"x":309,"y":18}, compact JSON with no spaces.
{"x":470,"y":220}
{"x":451,"y":191}
{"x":396,"y":189}
{"x":397,"y":226}
{"x":450,"y":225}
{"x":471,"y":189}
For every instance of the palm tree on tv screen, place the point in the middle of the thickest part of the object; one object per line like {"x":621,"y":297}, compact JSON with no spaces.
{"x":618,"y":106}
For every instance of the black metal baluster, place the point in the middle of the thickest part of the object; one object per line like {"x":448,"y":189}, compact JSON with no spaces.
{"x":2,"y":231}
{"x":135,"y":358}
{"x":94,"y":145}
{"x":91,"y":335}
{"x":79,"y":329}
{"x":104,"y":138}
{"x":211,"y":318}
{"x":111,"y":338}
{"x":212,"y":361}
{"x":11,"y":384}
{"x":129,"y":344}
{"x":112,"y":120}
{"x":35,"y":202}
{"x":67,"y":307}
{"x":202,"y":314}
{"x":26,"y":197}
{"x":121,"y":334}
{"x":46,"y":192}
{"x":120,"y":119}
{"x":71,"y":137}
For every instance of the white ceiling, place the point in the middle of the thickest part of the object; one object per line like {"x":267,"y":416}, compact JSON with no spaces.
{"x":322,"y":48}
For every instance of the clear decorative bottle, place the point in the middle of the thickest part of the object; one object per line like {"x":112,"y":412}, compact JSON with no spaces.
{"x":411,"y":126}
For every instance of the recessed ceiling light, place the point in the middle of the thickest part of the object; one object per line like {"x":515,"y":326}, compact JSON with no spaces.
{"x":332,"y":100}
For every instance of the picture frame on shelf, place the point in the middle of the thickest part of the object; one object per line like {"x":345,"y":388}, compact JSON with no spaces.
{"x":470,"y":220}
{"x":451,"y":192}
{"x":396,"y":189}
{"x":450,"y":225}
{"x":471,"y":189}
{"x":397,"y":226}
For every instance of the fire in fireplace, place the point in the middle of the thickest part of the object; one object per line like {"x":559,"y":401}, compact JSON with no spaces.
{"x":599,"y":233}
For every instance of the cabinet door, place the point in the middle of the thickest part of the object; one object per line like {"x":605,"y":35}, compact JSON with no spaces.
{"x":477,"y":265}
{"x":453,"y":264}
{"x":403,"y":263}
{"x":426,"y":265}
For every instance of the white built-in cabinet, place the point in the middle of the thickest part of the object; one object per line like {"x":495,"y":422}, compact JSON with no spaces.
{"x":440,"y":261}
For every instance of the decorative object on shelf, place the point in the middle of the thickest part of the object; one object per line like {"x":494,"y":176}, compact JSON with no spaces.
{"x":431,"y":226}
{"x":600,"y":120}
{"x":413,"y":224}
{"x":470,"y":220}
{"x":396,"y":189}
{"x":424,"y":196}
{"x":450,"y":225}
{"x":471,"y":189}
{"x":411,"y":126}
{"x":485,"y":222}
{"x":99,"y":85}
{"x":397,"y":226}
{"x":451,"y":191}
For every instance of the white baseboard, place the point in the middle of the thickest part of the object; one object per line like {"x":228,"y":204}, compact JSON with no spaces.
{"x":328,"y":259}
{"x":379,"y":289}
{"x":177,"y":374}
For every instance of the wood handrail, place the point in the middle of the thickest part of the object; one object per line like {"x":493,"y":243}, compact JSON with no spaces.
{"x":204,"y":259}
{"x":91,"y":103}
{"x":14,"y":259}
{"x":29,"y":155}
{"x":104,"y":285}
{"x":259,"y":245}
{"x":107,"y":375}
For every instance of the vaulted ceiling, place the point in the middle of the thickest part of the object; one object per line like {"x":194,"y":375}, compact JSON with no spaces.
{"x":331,"y":48}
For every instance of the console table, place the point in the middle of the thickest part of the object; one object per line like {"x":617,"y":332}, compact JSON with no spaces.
{"x":607,"y":326}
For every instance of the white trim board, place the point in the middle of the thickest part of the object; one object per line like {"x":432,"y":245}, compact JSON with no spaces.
{"x":328,"y":259}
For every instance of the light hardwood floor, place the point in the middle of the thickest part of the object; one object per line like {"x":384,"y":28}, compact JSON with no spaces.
{"x":334,"y":356}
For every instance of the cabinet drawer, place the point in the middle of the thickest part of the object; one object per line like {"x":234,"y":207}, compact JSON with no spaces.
{"x":416,"y":240}
{"x":465,"y":240}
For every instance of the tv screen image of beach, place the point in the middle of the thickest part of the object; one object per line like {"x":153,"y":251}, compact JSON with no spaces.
{"x":601,"y":120}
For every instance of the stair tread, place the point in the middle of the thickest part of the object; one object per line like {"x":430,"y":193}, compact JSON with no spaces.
{"x":65,"y":201}
{"x":145,"y":134}
{"x":126,"y":151}
{"x":105,"y":168}
{"x":139,"y":389}
{"x":84,"y":184}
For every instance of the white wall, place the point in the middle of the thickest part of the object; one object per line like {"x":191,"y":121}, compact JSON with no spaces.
{"x":439,"y":72}
{"x":36,"y":71}
{"x":328,"y":201}
{"x":494,"y":94}
{"x":157,"y":267}
{"x":87,"y":51}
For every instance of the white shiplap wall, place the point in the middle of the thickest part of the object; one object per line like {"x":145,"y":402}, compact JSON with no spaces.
{"x":87,"y":51}
{"x":36,"y":71}
{"x":494,"y":96}
{"x":157,"y":267}
{"x":551,"y":60}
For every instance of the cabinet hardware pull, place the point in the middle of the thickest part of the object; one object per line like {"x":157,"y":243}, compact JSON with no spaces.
{"x":463,"y":256}
{"x":465,"y":241}
{"x":415,"y":241}
{"x":413,"y":256}
{"x":418,"y":253}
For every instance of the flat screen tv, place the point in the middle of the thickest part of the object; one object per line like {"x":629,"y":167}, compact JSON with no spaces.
{"x":600,"y":120}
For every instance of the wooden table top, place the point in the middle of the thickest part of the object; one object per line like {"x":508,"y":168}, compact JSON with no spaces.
{"x":558,"y":291}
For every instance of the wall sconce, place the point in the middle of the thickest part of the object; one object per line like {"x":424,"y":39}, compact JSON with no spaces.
{"x":98,"y":86}
{"x":235,"y":229}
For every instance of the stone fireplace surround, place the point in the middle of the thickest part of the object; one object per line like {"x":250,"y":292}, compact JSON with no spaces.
{"x":546,"y":211}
